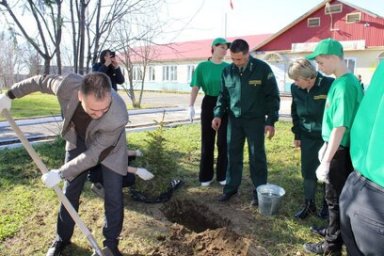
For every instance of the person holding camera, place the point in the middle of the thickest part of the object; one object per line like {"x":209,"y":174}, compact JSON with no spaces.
{"x":109,"y":66}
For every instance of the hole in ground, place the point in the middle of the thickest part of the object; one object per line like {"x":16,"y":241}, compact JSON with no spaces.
{"x":194,"y":216}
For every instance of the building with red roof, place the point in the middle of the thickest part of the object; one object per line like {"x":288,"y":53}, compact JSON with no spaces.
{"x":361,"y":32}
{"x":170,"y":66}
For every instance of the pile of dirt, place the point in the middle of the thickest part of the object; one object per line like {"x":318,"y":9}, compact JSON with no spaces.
{"x":221,"y":241}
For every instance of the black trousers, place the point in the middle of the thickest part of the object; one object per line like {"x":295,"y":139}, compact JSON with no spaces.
{"x":340,"y":168}
{"x":208,"y":136}
{"x":95,"y":175}
{"x":113,"y":202}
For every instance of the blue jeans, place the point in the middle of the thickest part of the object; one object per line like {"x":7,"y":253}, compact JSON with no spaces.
{"x":113,"y":202}
{"x":362,"y":216}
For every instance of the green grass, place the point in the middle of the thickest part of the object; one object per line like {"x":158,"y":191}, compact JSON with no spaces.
{"x":42,"y":105}
{"x":35,"y":105}
{"x":28,"y":209}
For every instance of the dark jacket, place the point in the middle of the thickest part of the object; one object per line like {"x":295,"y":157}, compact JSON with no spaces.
{"x":114,"y":74}
{"x":250,"y":94}
{"x":308,"y":107}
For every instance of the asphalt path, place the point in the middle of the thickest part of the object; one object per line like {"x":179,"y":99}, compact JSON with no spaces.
{"x":170,"y":108}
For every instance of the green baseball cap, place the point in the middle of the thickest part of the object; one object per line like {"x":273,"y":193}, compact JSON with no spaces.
{"x":327,"y":47}
{"x":220,"y":40}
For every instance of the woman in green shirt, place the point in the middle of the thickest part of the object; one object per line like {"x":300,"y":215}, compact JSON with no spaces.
{"x":208,"y":77}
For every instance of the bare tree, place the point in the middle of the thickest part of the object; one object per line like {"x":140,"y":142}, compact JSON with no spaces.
{"x":92,"y":25}
{"x":16,"y":60}
{"x":7,"y":55}
{"x":32,"y":61}
{"x":143,"y":55}
{"x":48,"y":37}
{"x":134,"y":38}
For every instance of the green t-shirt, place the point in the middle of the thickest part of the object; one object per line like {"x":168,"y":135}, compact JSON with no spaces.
{"x":207,"y":76}
{"x":343,"y":100}
{"x":367,"y":133}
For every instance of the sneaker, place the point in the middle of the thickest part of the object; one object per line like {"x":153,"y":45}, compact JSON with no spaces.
{"x":56,"y":248}
{"x":223,"y":182}
{"x":319,"y":248}
{"x":98,"y":189}
{"x":206,"y":183}
{"x":321,"y":231}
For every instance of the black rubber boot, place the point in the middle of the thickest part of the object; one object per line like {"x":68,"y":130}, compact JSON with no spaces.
{"x":255,"y":200}
{"x":309,"y":207}
{"x":323,"y":213}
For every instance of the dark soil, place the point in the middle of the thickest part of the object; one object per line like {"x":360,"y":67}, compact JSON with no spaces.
{"x":199,"y":231}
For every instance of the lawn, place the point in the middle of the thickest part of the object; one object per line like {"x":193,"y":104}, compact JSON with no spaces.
{"x":38,"y":105}
{"x":28,"y":209}
{"x":35,"y":105}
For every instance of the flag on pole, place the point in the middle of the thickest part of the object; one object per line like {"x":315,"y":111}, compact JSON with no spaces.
{"x":231,"y":4}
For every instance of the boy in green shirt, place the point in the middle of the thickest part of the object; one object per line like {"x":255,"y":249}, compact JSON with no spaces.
{"x":342,"y":102}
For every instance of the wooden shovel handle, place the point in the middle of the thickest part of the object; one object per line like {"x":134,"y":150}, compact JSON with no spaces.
{"x":43,"y":168}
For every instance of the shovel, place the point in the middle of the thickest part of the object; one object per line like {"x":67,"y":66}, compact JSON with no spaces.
{"x":64,"y":200}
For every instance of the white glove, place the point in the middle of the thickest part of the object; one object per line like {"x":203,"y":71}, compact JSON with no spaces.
{"x":191,"y":113}
{"x":322,"y":151}
{"x":144,"y":174}
{"x":5,"y":102}
{"x":51,"y":178}
{"x":138,"y":153}
{"x":322,"y":172}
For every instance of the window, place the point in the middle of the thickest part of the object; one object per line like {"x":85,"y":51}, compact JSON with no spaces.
{"x":191,"y":69}
{"x":137,"y":74}
{"x":351,"y":64}
{"x":170,"y":73}
{"x":333,"y":8}
{"x":353,"y":17}
{"x":151,"y":73}
{"x":313,"y":22}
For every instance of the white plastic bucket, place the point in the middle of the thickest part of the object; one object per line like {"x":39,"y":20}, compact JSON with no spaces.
{"x":270,"y":197}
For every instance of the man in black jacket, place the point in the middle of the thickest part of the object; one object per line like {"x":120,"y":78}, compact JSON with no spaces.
{"x":250,"y":96}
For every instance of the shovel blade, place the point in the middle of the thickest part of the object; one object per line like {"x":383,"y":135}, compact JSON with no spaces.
{"x":106,"y":252}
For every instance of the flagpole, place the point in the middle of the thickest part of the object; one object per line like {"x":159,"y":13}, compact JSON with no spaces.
{"x":225,"y":28}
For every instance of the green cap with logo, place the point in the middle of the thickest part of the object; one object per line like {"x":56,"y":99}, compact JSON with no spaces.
{"x":220,"y":40}
{"x":327,"y":46}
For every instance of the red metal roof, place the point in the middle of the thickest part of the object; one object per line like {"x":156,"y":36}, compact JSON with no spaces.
{"x":370,"y":28}
{"x":191,"y":50}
